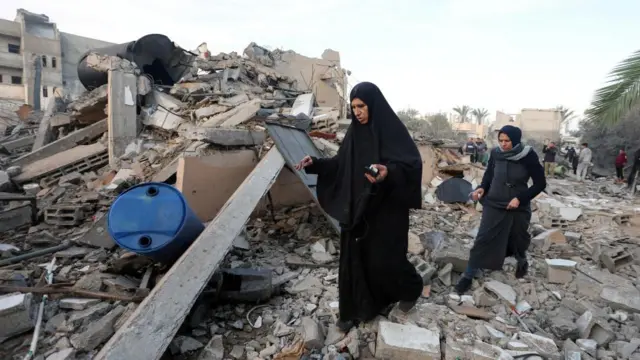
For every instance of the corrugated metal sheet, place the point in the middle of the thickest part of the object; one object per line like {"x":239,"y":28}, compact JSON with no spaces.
{"x":294,"y":144}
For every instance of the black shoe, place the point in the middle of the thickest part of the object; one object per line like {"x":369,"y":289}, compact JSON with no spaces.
{"x":521,"y":270}
{"x":406,"y":306}
{"x":463,"y":285}
{"x":344,"y":326}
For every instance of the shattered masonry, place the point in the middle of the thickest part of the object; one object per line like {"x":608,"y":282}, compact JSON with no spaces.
{"x":205,"y":134}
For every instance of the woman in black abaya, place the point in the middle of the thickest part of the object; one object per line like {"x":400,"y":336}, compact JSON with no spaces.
{"x":373,"y":211}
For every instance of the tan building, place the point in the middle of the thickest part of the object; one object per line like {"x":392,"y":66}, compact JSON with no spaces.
{"x":32,"y":37}
{"x":536,"y":124}
{"x":471,"y":129}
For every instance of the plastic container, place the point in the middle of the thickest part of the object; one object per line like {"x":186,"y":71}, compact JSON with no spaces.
{"x":154,"y":220}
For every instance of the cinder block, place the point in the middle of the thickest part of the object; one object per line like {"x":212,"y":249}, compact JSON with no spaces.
{"x":425,"y":270}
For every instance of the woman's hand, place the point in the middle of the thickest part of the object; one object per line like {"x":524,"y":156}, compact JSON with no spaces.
{"x":513,"y":204}
{"x":477,"y":195}
{"x":382,"y":174}
{"x":306,"y":161}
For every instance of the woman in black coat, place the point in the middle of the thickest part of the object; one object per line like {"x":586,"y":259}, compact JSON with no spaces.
{"x":372,"y":207}
{"x":506,"y":211}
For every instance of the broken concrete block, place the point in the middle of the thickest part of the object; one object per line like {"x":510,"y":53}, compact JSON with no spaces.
{"x":548,"y":238}
{"x":572,"y":236}
{"x":560,"y":271}
{"x":225,"y":137}
{"x":214,"y":349}
{"x":408,"y":342}
{"x":415,"y":246}
{"x":97,"y":332}
{"x":539,"y":343}
{"x":184,"y":344}
{"x":209,"y":111}
{"x":313,"y":334}
{"x":623,"y":298}
{"x":588,"y":345}
{"x":590,"y":328}
{"x":65,"y":354}
{"x":77,"y":303}
{"x":243,"y":113}
{"x":503,"y":291}
{"x":455,"y":255}
{"x":234,"y":100}
{"x":615,"y":259}
{"x":83,"y":317}
{"x":15,"y":314}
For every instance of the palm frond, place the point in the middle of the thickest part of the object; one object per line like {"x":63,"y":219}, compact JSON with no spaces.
{"x":621,"y":93}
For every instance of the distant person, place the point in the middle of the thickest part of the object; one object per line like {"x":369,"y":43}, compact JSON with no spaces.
{"x":584,"y":160}
{"x":481,"y":151}
{"x":634,"y":169}
{"x":506,"y":207}
{"x":470,"y":148}
{"x":550,"y":152}
{"x":571,"y":153}
{"x":621,"y":161}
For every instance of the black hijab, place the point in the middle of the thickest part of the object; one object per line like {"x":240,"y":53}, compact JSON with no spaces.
{"x":383,"y":140}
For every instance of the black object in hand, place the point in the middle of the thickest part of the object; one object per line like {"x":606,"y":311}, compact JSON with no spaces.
{"x":371,"y":170}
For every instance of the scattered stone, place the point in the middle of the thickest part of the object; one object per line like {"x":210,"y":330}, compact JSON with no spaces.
{"x":77,"y":303}
{"x":97,"y":332}
{"x":65,"y":354}
{"x":312,"y":333}
{"x":503,"y":291}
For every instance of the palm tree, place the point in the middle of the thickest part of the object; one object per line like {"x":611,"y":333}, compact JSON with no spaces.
{"x":463,"y":112}
{"x":620,"y":94}
{"x":566,"y":113}
{"x":480,"y":114}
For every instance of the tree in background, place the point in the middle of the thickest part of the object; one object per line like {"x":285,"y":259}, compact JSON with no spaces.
{"x":463,"y":112}
{"x":567,"y":115}
{"x":620,"y":95}
{"x":433,"y":126}
{"x":480,"y":114}
{"x":607,"y":139}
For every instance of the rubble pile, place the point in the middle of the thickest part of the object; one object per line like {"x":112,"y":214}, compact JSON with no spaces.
{"x":275,"y":294}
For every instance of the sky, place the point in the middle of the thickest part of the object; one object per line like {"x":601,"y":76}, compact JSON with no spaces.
{"x":430,"y":55}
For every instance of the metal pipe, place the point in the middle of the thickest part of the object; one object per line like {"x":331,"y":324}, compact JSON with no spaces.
{"x":36,"y":333}
{"x":12,"y":260}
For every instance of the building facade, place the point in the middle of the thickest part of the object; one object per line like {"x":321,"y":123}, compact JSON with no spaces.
{"x":33,"y":37}
{"x":539,"y":125}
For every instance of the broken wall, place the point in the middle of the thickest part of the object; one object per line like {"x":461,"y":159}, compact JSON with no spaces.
{"x":324,"y":76}
{"x":74,"y":47}
{"x":429,"y":165}
{"x":208,"y":182}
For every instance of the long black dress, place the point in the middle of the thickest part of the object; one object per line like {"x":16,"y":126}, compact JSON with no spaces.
{"x":505,"y":232}
{"x":374,"y":270}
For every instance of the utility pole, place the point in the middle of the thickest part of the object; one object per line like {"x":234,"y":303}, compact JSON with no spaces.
{"x":36,"y":82}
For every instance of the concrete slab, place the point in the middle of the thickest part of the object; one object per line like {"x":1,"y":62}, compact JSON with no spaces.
{"x":407,"y":342}
{"x":15,"y":314}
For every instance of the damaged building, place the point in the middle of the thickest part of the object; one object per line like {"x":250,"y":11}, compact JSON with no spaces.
{"x":160,"y":210}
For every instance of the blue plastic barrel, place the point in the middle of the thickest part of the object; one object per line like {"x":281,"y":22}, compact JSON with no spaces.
{"x":154,"y":220}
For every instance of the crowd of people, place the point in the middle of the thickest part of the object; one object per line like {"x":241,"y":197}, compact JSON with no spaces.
{"x":374,"y":181}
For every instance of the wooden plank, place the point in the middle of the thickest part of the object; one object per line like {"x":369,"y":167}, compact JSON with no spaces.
{"x":122,"y":118}
{"x":157,"y":319}
{"x":68,"y":142}
{"x":226,"y":170}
